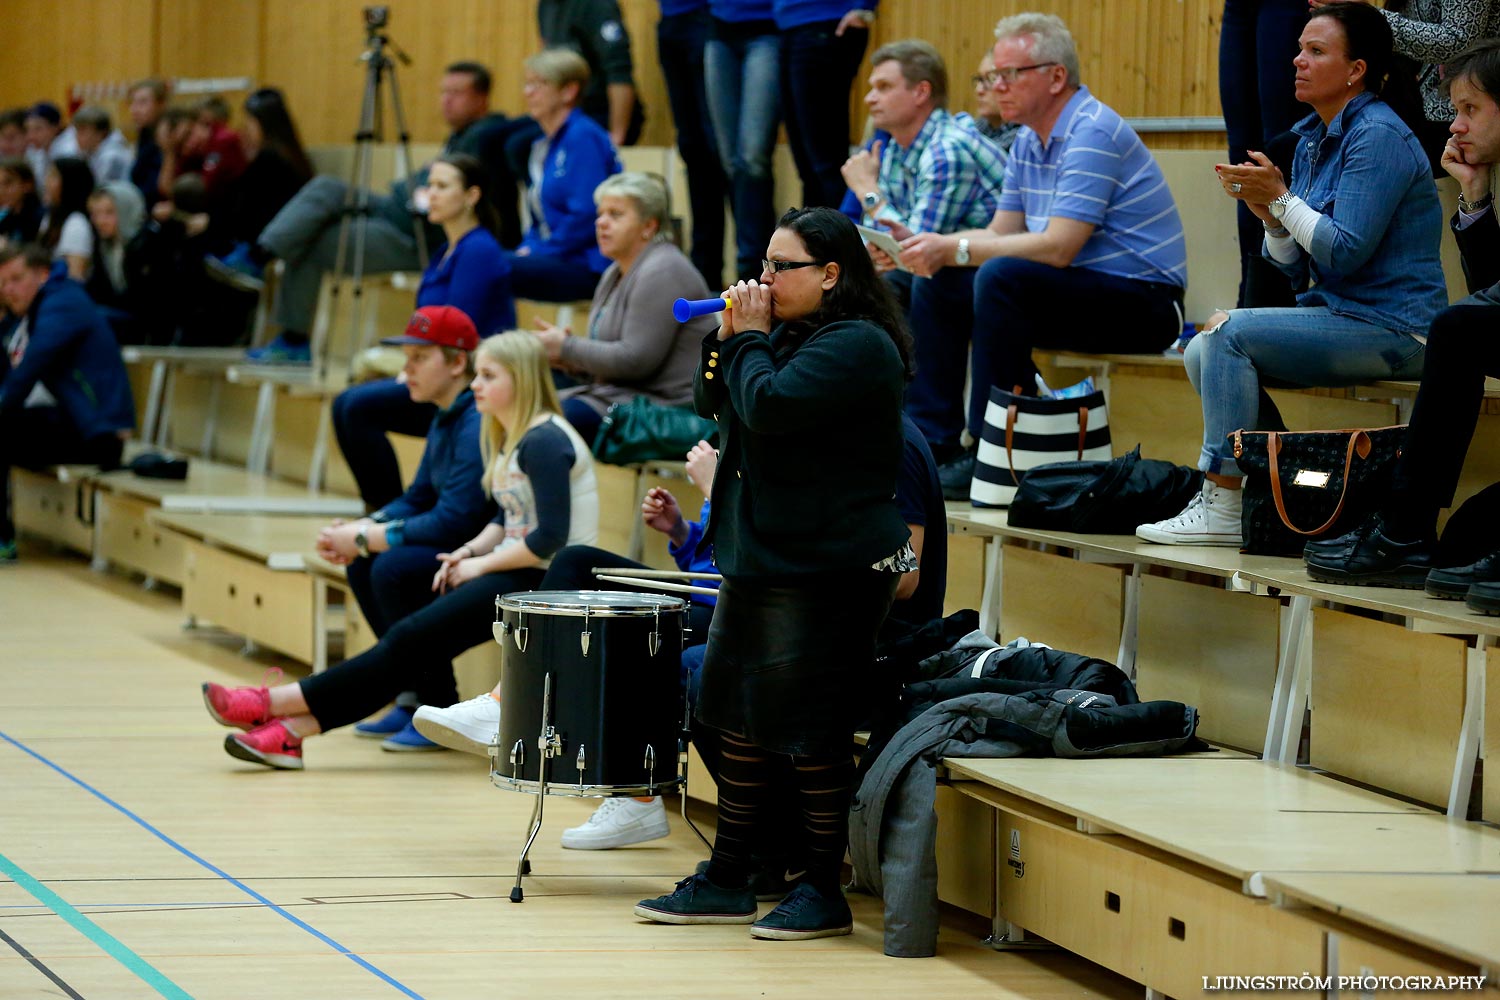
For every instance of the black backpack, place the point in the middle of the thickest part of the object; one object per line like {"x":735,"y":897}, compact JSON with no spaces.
{"x":1103,"y":498}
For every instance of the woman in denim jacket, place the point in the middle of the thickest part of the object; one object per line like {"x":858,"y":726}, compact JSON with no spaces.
{"x":1360,"y":219}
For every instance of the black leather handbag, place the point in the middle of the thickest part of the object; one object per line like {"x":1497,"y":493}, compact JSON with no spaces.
{"x":1311,"y":484}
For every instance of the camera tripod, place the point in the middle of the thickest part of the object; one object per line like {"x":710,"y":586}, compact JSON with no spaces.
{"x":380,"y":69}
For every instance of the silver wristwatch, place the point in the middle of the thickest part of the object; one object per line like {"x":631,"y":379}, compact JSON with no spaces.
{"x":362,"y":541}
{"x":1278,"y":205}
{"x":870,"y":200}
{"x":961,"y":255}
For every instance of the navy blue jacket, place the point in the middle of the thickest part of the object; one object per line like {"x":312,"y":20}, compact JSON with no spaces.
{"x":446,"y":504}
{"x":579,"y":158}
{"x":475,"y":277}
{"x":74,"y":354}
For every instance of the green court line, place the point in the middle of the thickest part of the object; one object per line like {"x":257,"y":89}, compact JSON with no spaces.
{"x":98,"y":935}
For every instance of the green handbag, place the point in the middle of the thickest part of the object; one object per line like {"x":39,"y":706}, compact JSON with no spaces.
{"x":643,"y":431}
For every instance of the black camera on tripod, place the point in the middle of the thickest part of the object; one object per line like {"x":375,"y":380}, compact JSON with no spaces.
{"x":377,"y":18}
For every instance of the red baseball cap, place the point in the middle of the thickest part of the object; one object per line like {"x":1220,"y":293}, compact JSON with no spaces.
{"x":445,"y":326}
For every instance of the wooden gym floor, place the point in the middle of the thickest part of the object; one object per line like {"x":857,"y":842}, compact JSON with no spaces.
{"x":138,"y":860}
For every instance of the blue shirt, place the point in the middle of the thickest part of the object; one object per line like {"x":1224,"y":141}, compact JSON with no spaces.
{"x":696,"y":556}
{"x":578,"y":159}
{"x":1095,"y":169}
{"x":475,"y":277}
{"x":672,"y":8}
{"x":949,"y":178}
{"x":1375,"y":252}
{"x":740,"y":10}
{"x":795,"y":13}
{"x":446,"y":504}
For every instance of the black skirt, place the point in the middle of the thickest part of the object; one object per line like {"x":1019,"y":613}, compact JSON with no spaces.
{"x":790,"y":662}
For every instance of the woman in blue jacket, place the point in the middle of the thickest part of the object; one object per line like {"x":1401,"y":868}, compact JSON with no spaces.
{"x":1360,"y":219}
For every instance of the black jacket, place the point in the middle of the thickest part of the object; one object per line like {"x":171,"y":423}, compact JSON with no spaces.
{"x":1479,"y":246}
{"x":810,"y":448}
{"x":595,"y":30}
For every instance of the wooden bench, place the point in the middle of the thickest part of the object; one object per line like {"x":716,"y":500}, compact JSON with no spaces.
{"x":1209,"y":648}
{"x":246,"y":574}
{"x":165,"y":364}
{"x":1158,"y":868}
{"x":125,"y":537}
{"x":1399,"y":924}
{"x":272,"y":381}
{"x":55,"y":504}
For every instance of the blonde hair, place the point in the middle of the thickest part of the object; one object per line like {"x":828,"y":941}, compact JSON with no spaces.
{"x":522,"y":355}
{"x":559,"y":67}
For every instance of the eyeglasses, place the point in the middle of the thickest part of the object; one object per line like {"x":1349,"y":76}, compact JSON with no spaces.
{"x":777,"y":266}
{"x":1008,"y":74}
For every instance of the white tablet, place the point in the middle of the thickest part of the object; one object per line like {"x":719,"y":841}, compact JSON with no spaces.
{"x":884,"y":241}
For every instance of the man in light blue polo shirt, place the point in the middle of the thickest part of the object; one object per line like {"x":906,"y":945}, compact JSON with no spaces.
{"x":1085,"y":250}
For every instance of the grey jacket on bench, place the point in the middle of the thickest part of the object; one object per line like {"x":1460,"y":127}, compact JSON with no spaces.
{"x":892,"y":822}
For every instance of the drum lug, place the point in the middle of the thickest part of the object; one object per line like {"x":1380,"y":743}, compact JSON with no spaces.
{"x":517,"y":758}
{"x":586,"y":636}
{"x":520,"y":635}
{"x":650,"y":766}
{"x":653,"y":642}
{"x":582,"y":763}
{"x":501,"y":630}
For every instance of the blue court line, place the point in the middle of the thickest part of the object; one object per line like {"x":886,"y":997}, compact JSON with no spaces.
{"x":280,"y":911}
{"x":106,"y":941}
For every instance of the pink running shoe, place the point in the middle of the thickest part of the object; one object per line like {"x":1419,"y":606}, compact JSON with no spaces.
{"x":272,"y":744}
{"x":241,"y":707}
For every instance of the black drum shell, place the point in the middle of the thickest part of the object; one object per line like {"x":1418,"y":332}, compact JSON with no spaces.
{"x":615,"y":700}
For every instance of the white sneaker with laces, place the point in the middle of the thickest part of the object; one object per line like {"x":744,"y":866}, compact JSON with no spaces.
{"x":618,"y":822}
{"x":1210,"y":518}
{"x":468,"y":726}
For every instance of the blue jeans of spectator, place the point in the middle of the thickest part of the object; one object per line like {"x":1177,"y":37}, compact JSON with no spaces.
{"x":551,"y":279}
{"x":1257,"y":42}
{"x":584,"y":418}
{"x":744,"y":100}
{"x":940,"y":310}
{"x":1301,"y":346}
{"x":679,"y":43}
{"x":1019,"y":305}
{"x":391,"y":585}
{"x":818,"y":67}
{"x":424,"y":640}
{"x":362,"y":416}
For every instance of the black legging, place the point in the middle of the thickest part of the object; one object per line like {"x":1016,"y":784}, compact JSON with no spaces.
{"x":459,"y":620}
{"x":1461,"y":350}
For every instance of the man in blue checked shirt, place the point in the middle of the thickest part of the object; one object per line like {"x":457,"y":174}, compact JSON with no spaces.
{"x":1086,"y":220}
{"x":936,"y":175}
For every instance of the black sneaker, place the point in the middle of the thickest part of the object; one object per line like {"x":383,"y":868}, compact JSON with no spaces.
{"x":774,"y":883}
{"x":1484,"y":598}
{"x":1339,"y":543}
{"x":696,"y":900}
{"x":1369,"y":558}
{"x":806,"y":913}
{"x":1453,"y":582}
{"x":957,"y":476}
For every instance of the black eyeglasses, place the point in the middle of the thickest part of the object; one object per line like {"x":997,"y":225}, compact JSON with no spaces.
{"x":777,"y":266}
{"x":1008,"y":74}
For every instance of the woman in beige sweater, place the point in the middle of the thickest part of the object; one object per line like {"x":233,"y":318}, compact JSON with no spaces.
{"x":632,"y":345}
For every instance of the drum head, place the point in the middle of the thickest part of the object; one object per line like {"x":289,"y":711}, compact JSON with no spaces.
{"x":600,"y":603}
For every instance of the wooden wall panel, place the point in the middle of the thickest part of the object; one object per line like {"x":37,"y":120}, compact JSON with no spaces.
{"x":199,"y":39}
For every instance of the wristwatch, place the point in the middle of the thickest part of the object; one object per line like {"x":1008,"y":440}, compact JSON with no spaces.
{"x":1278,"y":205}
{"x":870,"y":200}
{"x":961,"y":255}
{"x":362,"y":541}
{"x":1470,"y":207}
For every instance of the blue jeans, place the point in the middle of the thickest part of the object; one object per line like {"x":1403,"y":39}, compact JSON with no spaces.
{"x":551,"y":279}
{"x":1302,"y":346}
{"x":818,"y":67}
{"x":940,"y":310}
{"x":362,"y":416}
{"x":679,"y":42}
{"x":1257,"y":43}
{"x":744,"y":102}
{"x":1019,"y":305}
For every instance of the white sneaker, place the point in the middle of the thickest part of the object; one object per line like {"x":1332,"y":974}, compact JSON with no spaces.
{"x":618,"y":822}
{"x":468,"y":726}
{"x":1211,"y":518}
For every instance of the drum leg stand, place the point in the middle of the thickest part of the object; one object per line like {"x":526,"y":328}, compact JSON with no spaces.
{"x":683,"y":742}
{"x":550,"y":745}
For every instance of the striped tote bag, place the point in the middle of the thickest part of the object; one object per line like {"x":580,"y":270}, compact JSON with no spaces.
{"x":1022,"y":432}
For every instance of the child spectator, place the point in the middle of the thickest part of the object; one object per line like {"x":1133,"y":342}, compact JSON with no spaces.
{"x":148,"y":99}
{"x":65,"y":229}
{"x":20,"y":207}
{"x":99,"y":142}
{"x":118,"y":213}
{"x":46,"y":139}
{"x":13,"y":134}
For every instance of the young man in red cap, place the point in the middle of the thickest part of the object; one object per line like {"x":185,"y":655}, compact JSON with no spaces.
{"x":392,"y":554}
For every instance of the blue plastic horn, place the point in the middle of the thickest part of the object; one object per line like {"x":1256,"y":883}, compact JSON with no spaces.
{"x":686,"y":309}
